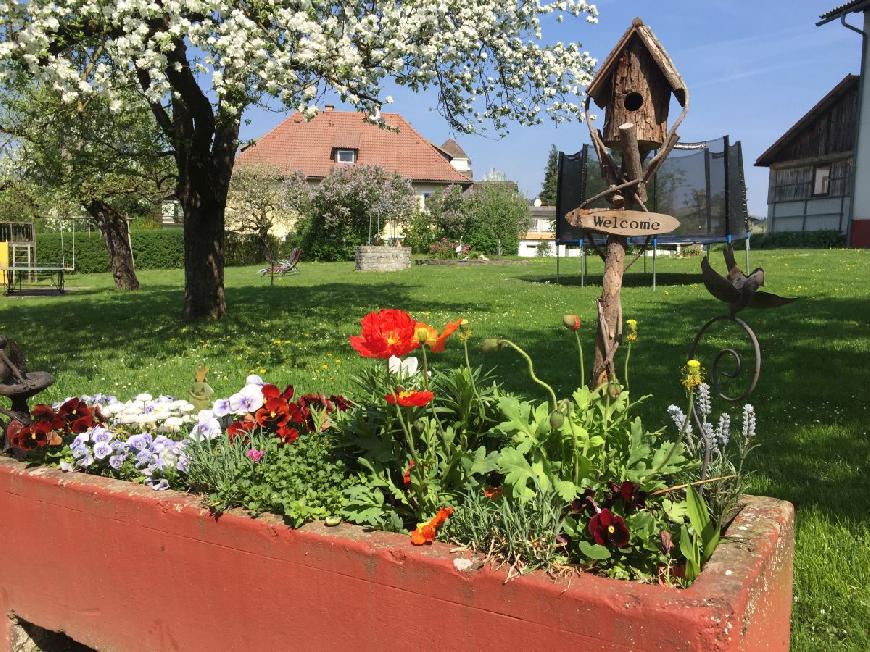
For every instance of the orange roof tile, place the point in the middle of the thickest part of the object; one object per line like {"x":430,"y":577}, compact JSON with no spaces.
{"x":308,"y":147}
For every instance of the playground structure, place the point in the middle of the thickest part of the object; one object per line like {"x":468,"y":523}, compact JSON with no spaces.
{"x":701,"y":184}
{"x":18,"y":257}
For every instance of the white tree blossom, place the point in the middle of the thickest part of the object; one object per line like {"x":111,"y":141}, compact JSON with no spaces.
{"x":486,"y":58}
{"x":200,"y":63}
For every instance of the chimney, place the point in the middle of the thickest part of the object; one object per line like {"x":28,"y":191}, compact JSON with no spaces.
{"x":328,"y":107}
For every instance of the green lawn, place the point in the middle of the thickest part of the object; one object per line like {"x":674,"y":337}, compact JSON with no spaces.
{"x":812,"y":399}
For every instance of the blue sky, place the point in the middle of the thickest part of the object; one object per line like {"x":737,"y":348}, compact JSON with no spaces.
{"x":752,"y":69}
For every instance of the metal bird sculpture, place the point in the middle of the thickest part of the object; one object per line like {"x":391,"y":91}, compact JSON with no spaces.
{"x":739,"y":290}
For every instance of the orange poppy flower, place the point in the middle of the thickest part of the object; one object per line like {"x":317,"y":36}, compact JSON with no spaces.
{"x":425,"y":532}
{"x":430,"y":337}
{"x":405,"y":398}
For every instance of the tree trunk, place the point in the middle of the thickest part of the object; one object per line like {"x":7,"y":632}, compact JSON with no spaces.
{"x":609,"y":334}
{"x":204,"y":207}
{"x":116,"y":236}
{"x":609,"y":312}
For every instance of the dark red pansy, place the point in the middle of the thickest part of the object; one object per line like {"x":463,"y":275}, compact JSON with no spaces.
{"x":287,"y":434}
{"x":629,"y":493}
{"x":609,"y":529}
{"x":585,"y":503}
{"x":240,"y":429}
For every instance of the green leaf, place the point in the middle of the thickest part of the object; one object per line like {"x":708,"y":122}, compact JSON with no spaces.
{"x":690,"y":549}
{"x":594,"y":551}
{"x":483,"y":463}
{"x":517,"y":472}
{"x":567,"y":491}
{"x":676,"y":511}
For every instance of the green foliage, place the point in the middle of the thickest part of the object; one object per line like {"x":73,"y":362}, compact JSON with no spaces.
{"x":551,"y":175}
{"x":496,"y":215}
{"x":797,"y":239}
{"x":522,"y":534}
{"x":152,"y":249}
{"x":414,"y":460}
{"x":301,"y":481}
{"x":347,"y":207}
{"x":489,"y":219}
{"x":65,"y":155}
{"x":699,"y":540}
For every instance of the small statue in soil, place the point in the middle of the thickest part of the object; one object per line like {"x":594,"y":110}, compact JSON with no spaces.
{"x":201,"y":392}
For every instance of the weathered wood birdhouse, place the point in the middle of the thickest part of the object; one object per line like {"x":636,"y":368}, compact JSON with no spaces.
{"x":634,"y":85}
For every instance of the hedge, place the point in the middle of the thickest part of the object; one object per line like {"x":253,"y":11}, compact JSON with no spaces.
{"x":799,"y":239}
{"x":152,"y":249}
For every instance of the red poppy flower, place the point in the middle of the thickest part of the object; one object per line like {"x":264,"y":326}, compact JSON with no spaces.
{"x":493,"y":493}
{"x":406,"y":478}
{"x":287,"y":434}
{"x":240,"y":429}
{"x":272,"y":392}
{"x":385,"y":333}
{"x":427,"y":335}
{"x":275,"y":412}
{"x":609,"y":529}
{"x":405,"y":398}
{"x":629,"y":493}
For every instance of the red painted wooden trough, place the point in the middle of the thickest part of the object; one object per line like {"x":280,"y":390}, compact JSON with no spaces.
{"x":121,"y":567}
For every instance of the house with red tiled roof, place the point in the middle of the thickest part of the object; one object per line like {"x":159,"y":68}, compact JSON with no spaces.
{"x":339,"y":138}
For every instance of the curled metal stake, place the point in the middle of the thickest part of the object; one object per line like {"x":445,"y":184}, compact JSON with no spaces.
{"x":716,"y":372}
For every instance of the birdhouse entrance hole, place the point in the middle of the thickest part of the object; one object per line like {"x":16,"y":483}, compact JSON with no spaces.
{"x":633,"y":101}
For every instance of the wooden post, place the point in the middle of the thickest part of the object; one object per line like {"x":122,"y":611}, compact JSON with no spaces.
{"x":610,"y":303}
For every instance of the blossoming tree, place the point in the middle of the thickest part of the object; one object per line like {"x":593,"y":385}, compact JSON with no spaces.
{"x":202,"y":63}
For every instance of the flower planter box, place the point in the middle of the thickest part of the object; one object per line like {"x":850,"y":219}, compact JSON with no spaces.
{"x":121,"y":567}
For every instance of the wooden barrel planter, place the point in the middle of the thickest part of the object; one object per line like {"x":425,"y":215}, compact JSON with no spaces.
{"x":118,"y":566}
{"x":382,"y":259}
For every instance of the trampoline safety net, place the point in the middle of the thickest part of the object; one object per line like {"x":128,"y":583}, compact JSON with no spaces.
{"x":700,"y":184}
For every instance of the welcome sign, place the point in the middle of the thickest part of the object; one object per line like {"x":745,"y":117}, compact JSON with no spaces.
{"x":622,"y":222}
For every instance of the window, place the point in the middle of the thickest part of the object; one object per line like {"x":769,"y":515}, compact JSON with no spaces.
{"x":822,"y":181}
{"x":345,"y":156}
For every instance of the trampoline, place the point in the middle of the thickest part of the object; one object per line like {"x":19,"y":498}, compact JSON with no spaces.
{"x":701,"y":184}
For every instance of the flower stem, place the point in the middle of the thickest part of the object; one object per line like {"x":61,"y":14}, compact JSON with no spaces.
{"x":531,"y":367}
{"x":625,"y":371}
{"x":425,"y":367}
{"x":667,"y":460}
{"x":580,"y":353}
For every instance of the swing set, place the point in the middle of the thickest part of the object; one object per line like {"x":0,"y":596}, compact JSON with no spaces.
{"x":18,"y":262}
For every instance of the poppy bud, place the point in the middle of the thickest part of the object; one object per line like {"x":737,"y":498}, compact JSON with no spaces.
{"x":421,"y":333}
{"x":615,"y":389}
{"x":571,"y":322}
{"x":490,"y":345}
{"x":556,"y":419}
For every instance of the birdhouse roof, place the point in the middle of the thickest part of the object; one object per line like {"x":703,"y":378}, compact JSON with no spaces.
{"x":599,"y":84}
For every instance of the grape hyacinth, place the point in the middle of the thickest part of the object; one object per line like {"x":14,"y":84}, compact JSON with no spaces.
{"x":748,"y":422}
{"x":703,"y":401}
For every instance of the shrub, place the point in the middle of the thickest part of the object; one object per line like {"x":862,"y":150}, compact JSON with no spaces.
{"x":348,"y":206}
{"x":152,"y":249}
{"x":489,"y":218}
{"x":802,"y":239}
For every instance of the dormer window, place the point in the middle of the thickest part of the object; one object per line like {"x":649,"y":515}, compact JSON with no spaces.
{"x":345,"y":156}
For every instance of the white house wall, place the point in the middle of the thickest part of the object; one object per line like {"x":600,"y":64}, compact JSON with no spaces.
{"x":862,"y":155}
{"x":823,"y":214}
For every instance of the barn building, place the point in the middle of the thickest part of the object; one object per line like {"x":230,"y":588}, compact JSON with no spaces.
{"x":810,"y":187}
